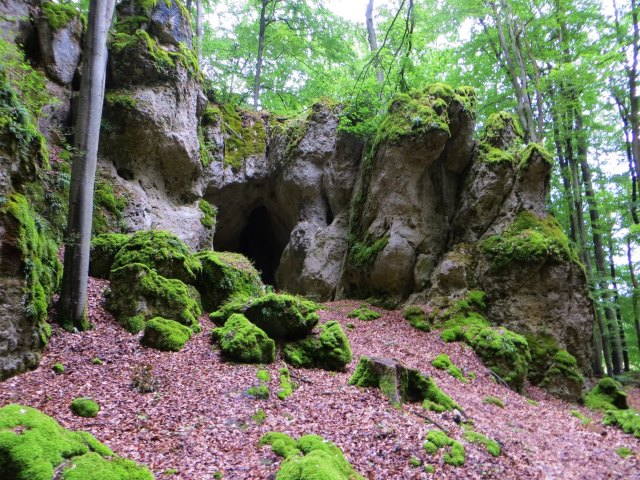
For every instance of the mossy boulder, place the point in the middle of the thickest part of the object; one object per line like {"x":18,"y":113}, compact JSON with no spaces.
{"x":164,"y":334}
{"x":242,"y":341}
{"x":161,"y":251}
{"x":85,"y":407}
{"x":225,"y":275}
{"x":34,"y":446}
{"x":329,"y":349}
{"x":309,"y":458}
{"x":139,"y":293}
{"x":608,"y":394}
{"x":627,"y":420}
{"x":281,"y":316}
{"x":563,"y":379}
{"x":104,"y":249}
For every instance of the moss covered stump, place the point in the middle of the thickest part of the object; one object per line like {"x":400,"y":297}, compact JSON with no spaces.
{"x":329,"y":349}
{"x":242,"y":341}
{"x":225,"y":275}
{"x":281,"y":316}
{"x":139,"y":294}
{"x":164,"y":334}
{"x":309,"y":458}
{"x":34,"y":446}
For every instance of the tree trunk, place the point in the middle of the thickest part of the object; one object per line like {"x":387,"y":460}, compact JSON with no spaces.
{"x":73,"y":297}
{"x":263,"y":27}
{"x":373,"y":41}
{"x":598,"y":249}
{"x":635,"y":292}
{"x":616,"y":300}
{"x":199,"y":34}
{"x":632,"y":72}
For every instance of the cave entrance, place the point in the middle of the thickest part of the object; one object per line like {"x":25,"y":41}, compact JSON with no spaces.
{"x":262,"y":239}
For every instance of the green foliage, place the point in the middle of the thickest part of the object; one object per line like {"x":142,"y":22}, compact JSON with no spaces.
{"x":281,"y":316}
{"x":416,"y":317}
{"x":491,"y":400}
{"x":139,"y":294}
{"x":309,"y":457}
{"x":164,"y":334}
{"x":491,"y":445}
{"x":329,"y":350}
{"x":263,"y":375}
{"x":627,"y":420}
{"x":85,"y":407}
{"x":209,"y":214}
{"x":363,"y":313}
{"x":34,"y":446}
{"x":161,"y":251}
{"x":226,"y":275}
{"x":624,"y":452}
{"x":529,"y":239}
{"x":58,"y":15}
{"x":455,"y":453}
{"x":286,"y":386}
{"x":443,"y":362}
{"x":608,"y":394}
{"x":244,"y":342}
{"x":39,"y":254}
{"x":564,"y":367}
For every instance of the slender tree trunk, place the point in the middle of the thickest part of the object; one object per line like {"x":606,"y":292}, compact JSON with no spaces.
{"x":73,"y":297}
{"x":189,"y":5}
{"x":566,"y":181}
{"x":373,"y":41}
{"x":263,"y":28}
{"x":632,"y":72}
{"x":597,"y":348}
{"x":635,"y":292}
{"x":199,"y":33}
{"x":598,"y":249}
{"x":616,"y":302}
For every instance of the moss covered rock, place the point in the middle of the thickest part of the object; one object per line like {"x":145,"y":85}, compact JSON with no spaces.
{"x":85,"y":407}
{"x":310,"y":458}
{"x":104,"y":249}
{"x":608,"y":394}
{"x":329,"y":349}
{"x":364,"y":313}
{"x":139,"y":294}
{"x":563,"y":379}
{"x":627,"y":420}
{"x":34,"y":446}
{"x":416,"y":317}
{"x":455,"y":451}
{"x":161,"y":251}
{"x":225,"y":275}
{"x":281,"y":316}
{"x":242,"y":341}
{"x":164,"y":334}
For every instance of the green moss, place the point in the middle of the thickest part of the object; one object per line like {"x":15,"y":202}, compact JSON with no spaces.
{"x":33,"y":446}
{"x":242,"y":341}
{"x":534,"y":149}
{"x":362,"y":255}
{"x":624,"y":452}
{"x":262,"y":389}
{"x":58,"y":368}
{"x":311,"y":457}
{"x":329,"y":350}
{"x":121,"y":98}
{"x":139,"y":294}
{"x":467,"y":97}
{"x":563,"y":369}
{"x":286,"y":386}
{"x":416,"y":317}
{"x":627,"y":420}
{"x":608,"y":394}
{"x":429,"y":469}
{"x":434,"y":399}
{"x":491,"y":445}
{"x":529,"y":239}
{"x":363,"y":313}
{"x":490,"y":154}
{"x":103,"y":251}
{"x":496,"y":125}
{"x":491,"y":400}
{"x":455,"y":453}
{"x":85,"y":407}
{"x":58,"y":15}
{"x":107,"y":208}
{"x":225,"y":275}
{"x":263,"y":375}
{"x":209,"y":213}
{"x":578,"y":414}
{"x":415,"y":462}
{"x":162,"y":251}
{"x":443,"y":362}
{"x":281,"y":316}
{"x":293,"y":130}
{"x":164,"y":334}
{"x":97,"y":361}
{"x":40,"y":264}
{"x":244,"y":135}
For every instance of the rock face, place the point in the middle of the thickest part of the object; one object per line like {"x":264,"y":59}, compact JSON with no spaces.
{"x":60,"y":46}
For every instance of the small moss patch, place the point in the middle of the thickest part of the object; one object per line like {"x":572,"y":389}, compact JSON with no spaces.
{"x":443,"y":362}
{"x":85,"y":407}
{"x":627,"y":420}
{"x":491,"y":445}
{"x":242,"y":341}
{"x":491,"y":400}
{"x":59,"y":15}
{"x":416,"y":317}
{"x":455,"y":452}
{"x":363,"y":313}
{"x":58,"y":368}
{"x":209,"y":214}
{"x":624,"y":452}
{"x":286,"y":385}
{"x":608,"y":394}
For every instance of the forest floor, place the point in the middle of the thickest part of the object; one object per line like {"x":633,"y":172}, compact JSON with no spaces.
{"x":199,"y":421}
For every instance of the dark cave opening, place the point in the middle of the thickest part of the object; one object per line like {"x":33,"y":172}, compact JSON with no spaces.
{"x":260,"y":240}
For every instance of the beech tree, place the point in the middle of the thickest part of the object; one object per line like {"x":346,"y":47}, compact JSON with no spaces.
{"x":73,"y":296}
